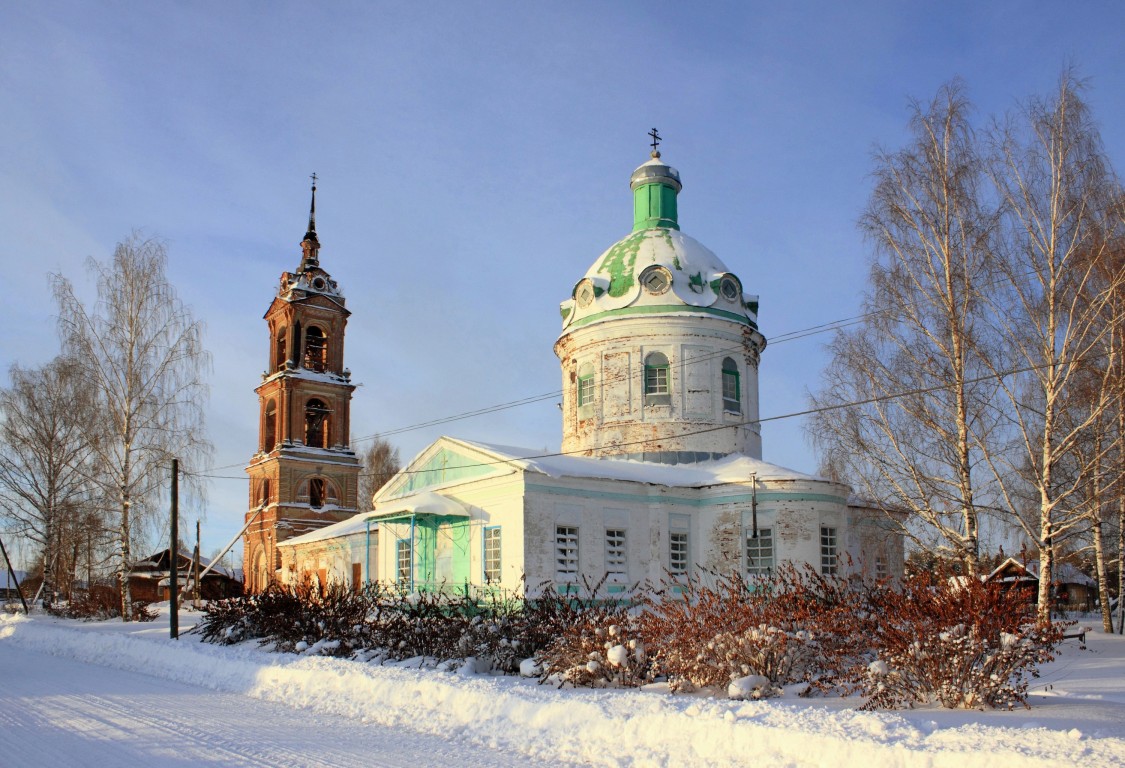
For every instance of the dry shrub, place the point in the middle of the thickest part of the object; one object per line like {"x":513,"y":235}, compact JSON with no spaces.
{"x":792,"y":626}
{"x":956,"y":642}
{"x":383,"y":623}
{"x":601,"y":646}
{"x":99,"y":602}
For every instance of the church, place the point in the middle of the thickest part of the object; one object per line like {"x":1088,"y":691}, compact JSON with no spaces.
{"x":660,"y":473}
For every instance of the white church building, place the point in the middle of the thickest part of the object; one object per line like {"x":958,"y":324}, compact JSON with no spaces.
{"x":661,"y":469}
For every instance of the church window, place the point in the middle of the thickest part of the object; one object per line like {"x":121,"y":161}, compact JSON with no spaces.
{"x":316,"y":423}
{"x":880,"y":566}
{"x":279,"y":351}
{"x":656,"y":382}
{"x":566,"y":553}
{"x":678,"y":552}
{"x":585,"y":384}
{"x":729,"y":288}
{"x":264,"y":493}
{"x":316,"y":350}
{"x":759,"y":552}
{"x":492,"y":555}
{"x":316,"y":493}
{"x":584,"y":293}
{"x":615,"y":557}
{"x":828,"y":545}
{"x":656,"y":280}
{"x":404,"y":563}
{"x":732,"y":390}
{"x":269,"y":439}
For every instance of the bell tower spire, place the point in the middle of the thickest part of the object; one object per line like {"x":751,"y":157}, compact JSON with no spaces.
{"x":310,"y":245}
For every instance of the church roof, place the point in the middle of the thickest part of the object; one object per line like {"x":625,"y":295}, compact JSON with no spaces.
{"x":656,"y":268}
{"x":733,"y":468}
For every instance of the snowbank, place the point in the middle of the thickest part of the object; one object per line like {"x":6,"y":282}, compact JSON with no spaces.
{"x":1077,"y":724}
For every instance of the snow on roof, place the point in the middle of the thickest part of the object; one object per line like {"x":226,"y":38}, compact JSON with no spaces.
{"x":354,"y":524}
{"x":421,"y":503}
{"x":1063,"y":573}
{"x":733,"y":468}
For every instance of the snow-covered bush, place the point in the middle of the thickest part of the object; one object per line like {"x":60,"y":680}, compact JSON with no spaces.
{"x":602,"y":649}
{"x":792,"y":626}
{"x":960,"y":644}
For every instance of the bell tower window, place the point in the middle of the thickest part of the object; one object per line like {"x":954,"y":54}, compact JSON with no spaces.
{"x":279,"y":351}
{"x":316,"y":423}
{"x":269,"y":436}
{"x":316,"y":493}
{"x":316,"y":350}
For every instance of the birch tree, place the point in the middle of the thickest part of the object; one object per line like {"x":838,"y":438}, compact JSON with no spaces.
{"x":141,"y":351}
{"x":915,"y":359}
{"x":380,"y":462}
{"x":1050,"y":171}
{"x":46,"y":449}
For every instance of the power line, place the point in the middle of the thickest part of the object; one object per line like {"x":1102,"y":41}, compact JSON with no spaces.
{"x":780,"y":339}
{"x":795,"y":414}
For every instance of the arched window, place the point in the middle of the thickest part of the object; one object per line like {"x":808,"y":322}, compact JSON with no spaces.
{"x":657,"y":382}
{"x":316,"y":493}
{"x":264,"y":492}
{"x":279,"y":351}
{"x":316,"y":423}
{"x":261,"y":573}
{"x":316,"y":350}
{"x":732,"y":389}
{"x":585,"y":384}
{"x":269,"y":434}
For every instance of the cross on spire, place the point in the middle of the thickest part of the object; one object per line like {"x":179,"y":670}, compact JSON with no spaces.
{"x":312,"y":210}
{"x":655,"y":142}
{"x":310,"y":245}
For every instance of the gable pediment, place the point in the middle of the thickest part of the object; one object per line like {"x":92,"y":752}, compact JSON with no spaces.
{"x":443,"y":463}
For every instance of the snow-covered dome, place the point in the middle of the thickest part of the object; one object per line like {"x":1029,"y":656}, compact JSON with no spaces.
{"x":656,"y":268}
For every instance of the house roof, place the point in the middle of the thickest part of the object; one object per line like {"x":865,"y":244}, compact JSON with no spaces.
{"x":1064,"y":573}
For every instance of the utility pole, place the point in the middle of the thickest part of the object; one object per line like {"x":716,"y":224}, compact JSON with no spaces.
{"x":12,"y":575}
{"x":173,"y":556}
{"x":197,"y":593}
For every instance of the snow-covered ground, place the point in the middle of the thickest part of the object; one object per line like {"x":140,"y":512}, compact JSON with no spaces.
{"x":344,"y":707}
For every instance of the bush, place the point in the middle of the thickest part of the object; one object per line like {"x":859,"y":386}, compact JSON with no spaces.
{"x":98,"y":603}
{"x":794,"y":626}
{"x":601,"y":646}
{"x":956,"y":642}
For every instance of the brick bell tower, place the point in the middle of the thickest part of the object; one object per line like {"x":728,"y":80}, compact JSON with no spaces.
{"x":304,"y":475}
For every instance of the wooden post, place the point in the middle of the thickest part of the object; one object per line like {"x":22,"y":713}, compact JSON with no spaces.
{"x":173,"y":556}
{"x":12,"y":576}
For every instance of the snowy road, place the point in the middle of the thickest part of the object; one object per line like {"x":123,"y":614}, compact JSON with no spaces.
{"x":59,"y":712}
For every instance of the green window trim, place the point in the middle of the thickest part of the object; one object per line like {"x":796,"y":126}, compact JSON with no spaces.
{"x":732,"y":386}
{"x":657,"y":379}
{"x":586,"y":389}
{"x":404,"y":563}
{"x":491,"y":558}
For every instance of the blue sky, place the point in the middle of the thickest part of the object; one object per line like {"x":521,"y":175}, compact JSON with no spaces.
{"x":474,"y":161}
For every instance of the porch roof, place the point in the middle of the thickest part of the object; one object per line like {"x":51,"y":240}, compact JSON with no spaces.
{"x":421,"y":504}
